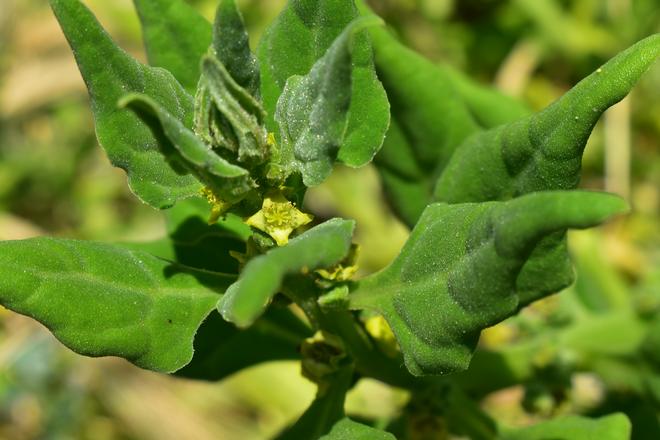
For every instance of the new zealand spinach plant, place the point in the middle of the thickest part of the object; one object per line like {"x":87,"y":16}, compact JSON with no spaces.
{"x":227,"y":141}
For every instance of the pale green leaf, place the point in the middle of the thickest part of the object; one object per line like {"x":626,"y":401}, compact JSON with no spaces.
{"x":346,"y":429}
{"x":613,"y":427}
{"x":105,"y":300}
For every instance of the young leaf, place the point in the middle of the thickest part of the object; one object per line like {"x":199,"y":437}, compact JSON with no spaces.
{"x":221,"y":349}
{"x":231,"y":44}
{"x":239,"y":111}
{"x":443,"y":289}
{"x":313,"y":110}
{"x":104,"y":300}
{"x":612,"y":427}
{"x":348,"y":429}
{"x":110,"y":73}
{"x":176,"y":37}
{"x":301,"y":35}
{"x":321,"y":246}
{"x":178,"y":144}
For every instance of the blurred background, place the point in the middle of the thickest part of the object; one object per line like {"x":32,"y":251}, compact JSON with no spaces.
{"x":55,"y":180}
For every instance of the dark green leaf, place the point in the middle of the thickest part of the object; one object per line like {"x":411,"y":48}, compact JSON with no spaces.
{"x":229,"y":182}
{"x":176,"y":37}
{"x":110,"y":73}
{"x":320,"y":247}
{"x":301,"y":35}
{"x":444,"y":288}
{"x":232,"y":47}
{"x":348,"y":429}
{"x":104,"y":300}
{"x":543,"y":152}
{"x":613,"y":427}
{"x":313,"y":110}
{"x":221,"y":349}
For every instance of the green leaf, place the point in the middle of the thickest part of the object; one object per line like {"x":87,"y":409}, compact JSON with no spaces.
{"x":612,"y":427}
{"x":325,"y":411}
{"x":543,"y":152}
{"x":104,"y":300}
{"x":313,"y":110}
{"x":320,"y":247}
{"x":221,"y":349}
{"x":179,"y":145}
{"x":434,"y":109}
{"x":444,"y":288}
{"x":301,"y":35}
{"x":110,"y":73}
{"x":231,"y":44}
{"x":348,"y":429}
{"x":176,"y":37}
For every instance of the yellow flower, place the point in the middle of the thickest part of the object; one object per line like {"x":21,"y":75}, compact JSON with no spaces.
{"x":278,"y":218}
{"x":218,"y":207}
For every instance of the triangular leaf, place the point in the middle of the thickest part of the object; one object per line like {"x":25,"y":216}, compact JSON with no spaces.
{"x":176,"y":37}
{"x":320,"y":247}
{"x":444,"y":288}
{"x":302,"y":34}
{"x":110,"y":73}
{"x":105,"y":300}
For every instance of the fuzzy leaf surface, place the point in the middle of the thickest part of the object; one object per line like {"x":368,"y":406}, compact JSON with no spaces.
{"x":231,"y":45}
{"x":105,"y":300}
{"x":180,"y":145}
{"x":300,"y":36}
{"x":444,"y":288}
{"x":434,"y":109}
{"x":110,"y":73}
{"x":320,"y":247}
{"x":543,"y":152}
{"x":313,"y":110}
{"x":175,"y":36}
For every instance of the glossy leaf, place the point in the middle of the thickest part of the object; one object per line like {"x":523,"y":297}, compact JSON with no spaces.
{"x":180,"y":145}
{"x":104,"y":300}
{"x":300,"y":36}
{"x":176,"y":37}
{"x":320,"y":247}
{"x":221,"y":349}
{"x":457,"y":273}
{"x":313,"y":110}
{"x":613,"y":427}
{"x":348,"y":429}
{"x":110,"y":73}
{"x":231,"y":44}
